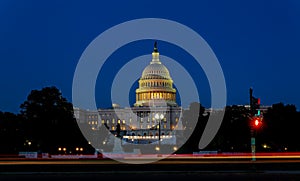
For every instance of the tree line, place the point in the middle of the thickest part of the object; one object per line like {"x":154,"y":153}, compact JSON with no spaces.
{"x":46,"y":122}
{"x":279,"y":130}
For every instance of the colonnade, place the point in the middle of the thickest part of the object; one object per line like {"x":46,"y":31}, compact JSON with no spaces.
{"x":156,"y":96}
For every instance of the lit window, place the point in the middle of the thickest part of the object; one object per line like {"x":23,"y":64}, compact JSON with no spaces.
{"x":148,"y":126}
{"x":102,"y":121}
{"x":124,"y":121}
{"x":165,"y":126}
{"x":176,"y":120}
{"x":113,"y":121}
{"x":107,"y":121}
{"x":142,"y":120}
{"x":119,"y":121}
{"x":112,"y":128}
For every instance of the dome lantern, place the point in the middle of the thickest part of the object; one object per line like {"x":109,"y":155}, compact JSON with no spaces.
{"x":155,"y":55}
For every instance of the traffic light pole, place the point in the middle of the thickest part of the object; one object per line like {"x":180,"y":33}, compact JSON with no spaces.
{"x":253,"y":148}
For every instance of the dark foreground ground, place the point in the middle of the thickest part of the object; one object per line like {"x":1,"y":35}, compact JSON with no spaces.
{"x":168,"y":169}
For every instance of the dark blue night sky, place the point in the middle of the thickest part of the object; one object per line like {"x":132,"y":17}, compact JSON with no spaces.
{"x":256,"y":42}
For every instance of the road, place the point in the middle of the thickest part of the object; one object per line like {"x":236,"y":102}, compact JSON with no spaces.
{"x":168,"y":169}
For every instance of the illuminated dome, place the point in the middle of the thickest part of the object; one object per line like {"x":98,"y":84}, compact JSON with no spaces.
{"x":156,"y":70}
{"x":155,"y":85}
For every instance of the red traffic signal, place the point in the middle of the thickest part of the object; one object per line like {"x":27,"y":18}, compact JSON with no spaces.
{"x":257,"y":122}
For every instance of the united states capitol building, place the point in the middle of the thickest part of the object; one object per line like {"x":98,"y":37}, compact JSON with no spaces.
{"x":154,"y":114}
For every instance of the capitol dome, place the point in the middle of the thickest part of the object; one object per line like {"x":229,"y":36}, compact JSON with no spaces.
{"x":155,"y":84}
{"x":156,"y":70}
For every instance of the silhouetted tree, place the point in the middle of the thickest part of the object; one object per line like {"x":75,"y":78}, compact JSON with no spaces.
{"x":234,"y":133}
{"x":194,"y":122}
{"x":11,"y":133}
{"x":49,"y":121}
{"x":281,"y":128}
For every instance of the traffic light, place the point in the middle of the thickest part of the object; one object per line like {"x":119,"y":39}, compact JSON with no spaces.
{"x":254,"y":104}
{"x":257,"y":122}
{"x":256,"y":116}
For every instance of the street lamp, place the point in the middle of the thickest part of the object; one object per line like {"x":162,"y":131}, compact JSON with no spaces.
{"x":159,"y":117}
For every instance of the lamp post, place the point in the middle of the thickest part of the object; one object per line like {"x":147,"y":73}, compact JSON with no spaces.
{"x":159,"y":117}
